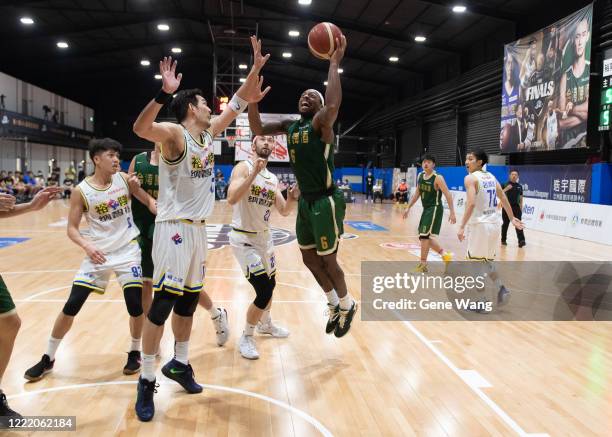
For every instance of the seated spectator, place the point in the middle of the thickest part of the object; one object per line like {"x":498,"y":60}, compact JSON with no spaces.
{"x":40,"y":178}
{"x":378,"y":191}
{"x":32,"y":184}
{"x":401,"y":192}
{"x":68,"y":185}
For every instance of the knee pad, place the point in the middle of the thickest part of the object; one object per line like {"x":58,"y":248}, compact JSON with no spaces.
{"x":186,"y":304}
{"x":162,"y":304}
{"x":133,"y":300}
{"x":263,"y":286}
{"x":78,"y":296}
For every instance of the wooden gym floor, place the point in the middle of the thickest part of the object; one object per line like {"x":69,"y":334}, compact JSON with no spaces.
{"x":383,"y":378}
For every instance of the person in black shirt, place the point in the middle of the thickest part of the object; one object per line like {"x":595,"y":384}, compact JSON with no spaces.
{"x":369,"y":186}
{"x":514,"y":192}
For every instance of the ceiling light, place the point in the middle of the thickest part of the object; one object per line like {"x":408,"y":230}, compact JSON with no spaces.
{"x":62,"y":44}
{"x":420,"y":38}
{"x":294,"y":33}
{"x":145,"y":62}
{"x":340,"y":70}
{"x":176,"y":50}
{"x":393,"y":59}
{"x":163,"y":27}
{"x":325,"y":83}
{"x":243,"y":66}
{"x":459,"y":9}
{"x":242,"y":79}
{"x":286,"y":54}
{"x":26,"y":20}
{"x":157,"y":76}
{"x":304,"y":2}
{"x":91,"y":119}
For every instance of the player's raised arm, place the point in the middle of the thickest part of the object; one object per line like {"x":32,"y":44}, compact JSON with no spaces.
{"x":283,"y":206}
{"x":249,"y":92}
{"x":268,"y":128}
{"x":169,"y":134}
{"x":326,"y":117}
{"x":39,"y":201}
{"x":241,"y":180}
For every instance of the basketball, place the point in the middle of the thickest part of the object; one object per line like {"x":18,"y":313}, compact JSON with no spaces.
{"x":322,"y":39}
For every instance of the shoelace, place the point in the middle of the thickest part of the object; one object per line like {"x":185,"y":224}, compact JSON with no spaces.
{"x":342,"y":316}
{"x":332,"y":313}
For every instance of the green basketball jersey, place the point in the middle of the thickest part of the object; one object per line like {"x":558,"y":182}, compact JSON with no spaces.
{"x":312,"y":159}
{"x":149,"y":181}
{"x":429,"y":195}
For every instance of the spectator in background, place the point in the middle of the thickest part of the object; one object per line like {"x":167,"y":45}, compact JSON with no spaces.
{"x":369,"y":186}
{"x":514,"y":193}
{"x":221,"y":188}
{"x":40,"y":178}
{"x":81,"y":174}
{"x":401,"y":192}
{"x":32,"y":185}
{"x":347,"y":184}
{"x":378,"y":190}
{"x":68,"y":184}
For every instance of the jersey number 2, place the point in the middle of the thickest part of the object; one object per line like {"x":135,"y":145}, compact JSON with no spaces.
{"x":267,"y":215}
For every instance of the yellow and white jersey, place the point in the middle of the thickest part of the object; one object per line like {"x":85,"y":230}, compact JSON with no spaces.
{"x":108,"y":212}
{"x":187,"y":185}
{"x":252,"y":212}
{"x":485,"y":210}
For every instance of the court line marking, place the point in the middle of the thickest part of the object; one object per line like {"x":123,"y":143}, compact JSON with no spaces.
{"x":308,"y":418}
{"x":460,"y":374}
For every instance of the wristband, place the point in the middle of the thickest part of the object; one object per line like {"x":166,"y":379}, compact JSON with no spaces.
{"x":163,"y":97}
{"x":238,"y":104}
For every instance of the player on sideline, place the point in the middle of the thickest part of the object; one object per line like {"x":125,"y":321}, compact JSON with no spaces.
{"x":9,"y":319}
{"x":186,"y":199}
{"x":430,"y":188}
{"x":321,"y":207}
{"x":104,"y":198}
{"x":481,"y":217}
{"x":253,"y":191}
{"x":146,"y":167}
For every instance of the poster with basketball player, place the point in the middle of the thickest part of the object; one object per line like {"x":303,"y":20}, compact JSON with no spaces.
{"x":244,"y":138}
{"x":545,"y":89}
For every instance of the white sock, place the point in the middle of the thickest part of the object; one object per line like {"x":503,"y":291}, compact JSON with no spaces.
{"x":52,"y":347}
{"x":214,"y":312}
{"x":135,"y":344}
{"x":346,"y":302}
{"x":249,"y":329}
{"x":332,"y":297}
{"x":265,"y":317}
{"x":148,"y":367}
{"x":181,"y":351}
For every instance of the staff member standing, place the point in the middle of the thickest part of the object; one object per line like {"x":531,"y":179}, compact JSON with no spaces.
{"x":369,"y":187}
{"x":514,"y":192}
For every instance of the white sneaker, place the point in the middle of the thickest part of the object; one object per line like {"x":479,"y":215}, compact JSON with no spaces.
{"x":271,"y":329}
{"x":247,"y":347}
{"x":221,"y":327}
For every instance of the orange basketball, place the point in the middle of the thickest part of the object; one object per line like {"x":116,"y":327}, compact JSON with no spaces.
{"x":322,"y":39}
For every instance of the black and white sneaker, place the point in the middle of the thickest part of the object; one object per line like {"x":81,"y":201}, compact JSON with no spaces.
{"x":39,"y":370}
{"x":134,"y":362}
{"x":6,"y":414}
{"x":333,"y":311}
{"x":344,"y":320}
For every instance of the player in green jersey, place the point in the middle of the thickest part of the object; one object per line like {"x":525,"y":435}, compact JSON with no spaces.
{"x":321,"y":208}
{"x":430,"y":188}
{"x":9,"y":320}
{"x":145,"y":167}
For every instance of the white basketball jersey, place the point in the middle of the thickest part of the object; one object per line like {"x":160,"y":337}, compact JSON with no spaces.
{"x":109,"y":214}
{"x":252,"y":212}
{"x":485,"y":210}
{"x":187,"y":185}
